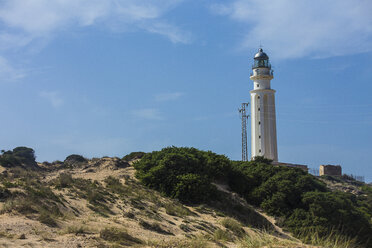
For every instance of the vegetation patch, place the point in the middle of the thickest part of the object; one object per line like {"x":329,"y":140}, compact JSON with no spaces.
{"x":119,"y":236}
{"x":133,"y":155}
{"x":19,"y":156}
{"x":198,"y":242}
{"x":32,"y":197}
{"x":223,"y":235}
{"x":77,"y":230}
{"x":48,"y":219}
{"x":74,"y":160}
{"x":96,"y":195}
{"x":233,"y":225}
{"x":176,"y":209}
{"x":302,"y":201}
{"x":154,"y":227}
{"x":182,"y":173}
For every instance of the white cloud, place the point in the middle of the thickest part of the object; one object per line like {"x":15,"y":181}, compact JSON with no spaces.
{"x":8,"y":72}
{"x":298,"y":28}
{"x":53,"y":97}
{"x":28,"y":20}
{"x":148,"y":113}
{"x":173,"y":33}
{"x":163,"y":97}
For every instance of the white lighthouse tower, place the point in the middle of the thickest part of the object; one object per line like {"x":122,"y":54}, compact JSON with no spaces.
{"x":263,"y":136}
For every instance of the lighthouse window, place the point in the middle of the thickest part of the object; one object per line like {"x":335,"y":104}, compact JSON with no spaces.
{"x":259,"y":123}
{"x":259,"y":151}
{"x":259,"y":136}
{"x":259,"y":109}
{"x":258,"y":85}
{"x":258,"y":97}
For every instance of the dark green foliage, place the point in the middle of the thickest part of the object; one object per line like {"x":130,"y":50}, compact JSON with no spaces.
{"x":133,"y":155}
{"x":330,"y":211}
{"x":302,"y":201}
{"x":20,"y":156}
{"x":74,"y":160}
{"x":193,"y":188}
{"x":183,"y":173}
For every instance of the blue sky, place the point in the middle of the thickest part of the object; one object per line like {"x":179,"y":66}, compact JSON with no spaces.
{"x":108,"y":77}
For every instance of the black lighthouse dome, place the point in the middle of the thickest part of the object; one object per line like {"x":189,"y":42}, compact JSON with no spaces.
{"x":261,"y":54}
{"x":261,"y":59}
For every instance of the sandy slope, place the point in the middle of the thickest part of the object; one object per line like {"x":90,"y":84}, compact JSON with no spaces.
{"x":20,"y":231}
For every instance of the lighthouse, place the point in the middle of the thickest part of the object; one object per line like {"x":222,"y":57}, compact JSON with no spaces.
{"x":263,"y":127}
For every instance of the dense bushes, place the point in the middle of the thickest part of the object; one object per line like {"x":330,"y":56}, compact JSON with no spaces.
{"x":326,"y":212}
{"x":74,"y":160}
{"x":303,"y":203}
{"x":19,"y":156}
{"x":183,"y":173}
{"x":133,"y":155}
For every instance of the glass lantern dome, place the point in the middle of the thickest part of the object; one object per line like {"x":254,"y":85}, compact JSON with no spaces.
{"x":261,"y":60}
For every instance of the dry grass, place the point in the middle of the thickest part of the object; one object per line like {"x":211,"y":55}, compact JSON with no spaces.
{"x":176,"y":209}
{"x":333,"y":240}
{"x":119,"y":236}
{"x":257,"y":239}
{"x":197,"y":242}
{"x":233,"y":225}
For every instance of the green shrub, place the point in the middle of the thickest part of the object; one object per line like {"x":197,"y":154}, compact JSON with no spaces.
{"x":291,"y":194}
{"x":329,"y":212}
{"x":74,"y":160}
{"x":182,"y":173}
{"x":133,"y":155}
{"x":19,"y":156}
{"x":192,"y":188}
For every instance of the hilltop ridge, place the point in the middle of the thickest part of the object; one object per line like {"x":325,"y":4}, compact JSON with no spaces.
{"x":100,"y":202}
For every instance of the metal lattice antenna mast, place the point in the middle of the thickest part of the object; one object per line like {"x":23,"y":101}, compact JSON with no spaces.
{"x":244,"y":117}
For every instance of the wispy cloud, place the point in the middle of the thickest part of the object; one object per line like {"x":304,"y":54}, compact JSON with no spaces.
{"x":163,"y":97}
{"x":172,"y":32}
{"x":148,"y":113}
{"x":25,"y":21}
{"x":8,"y":72}
{"x":295,"y":28}
{"x":53,"y":97}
